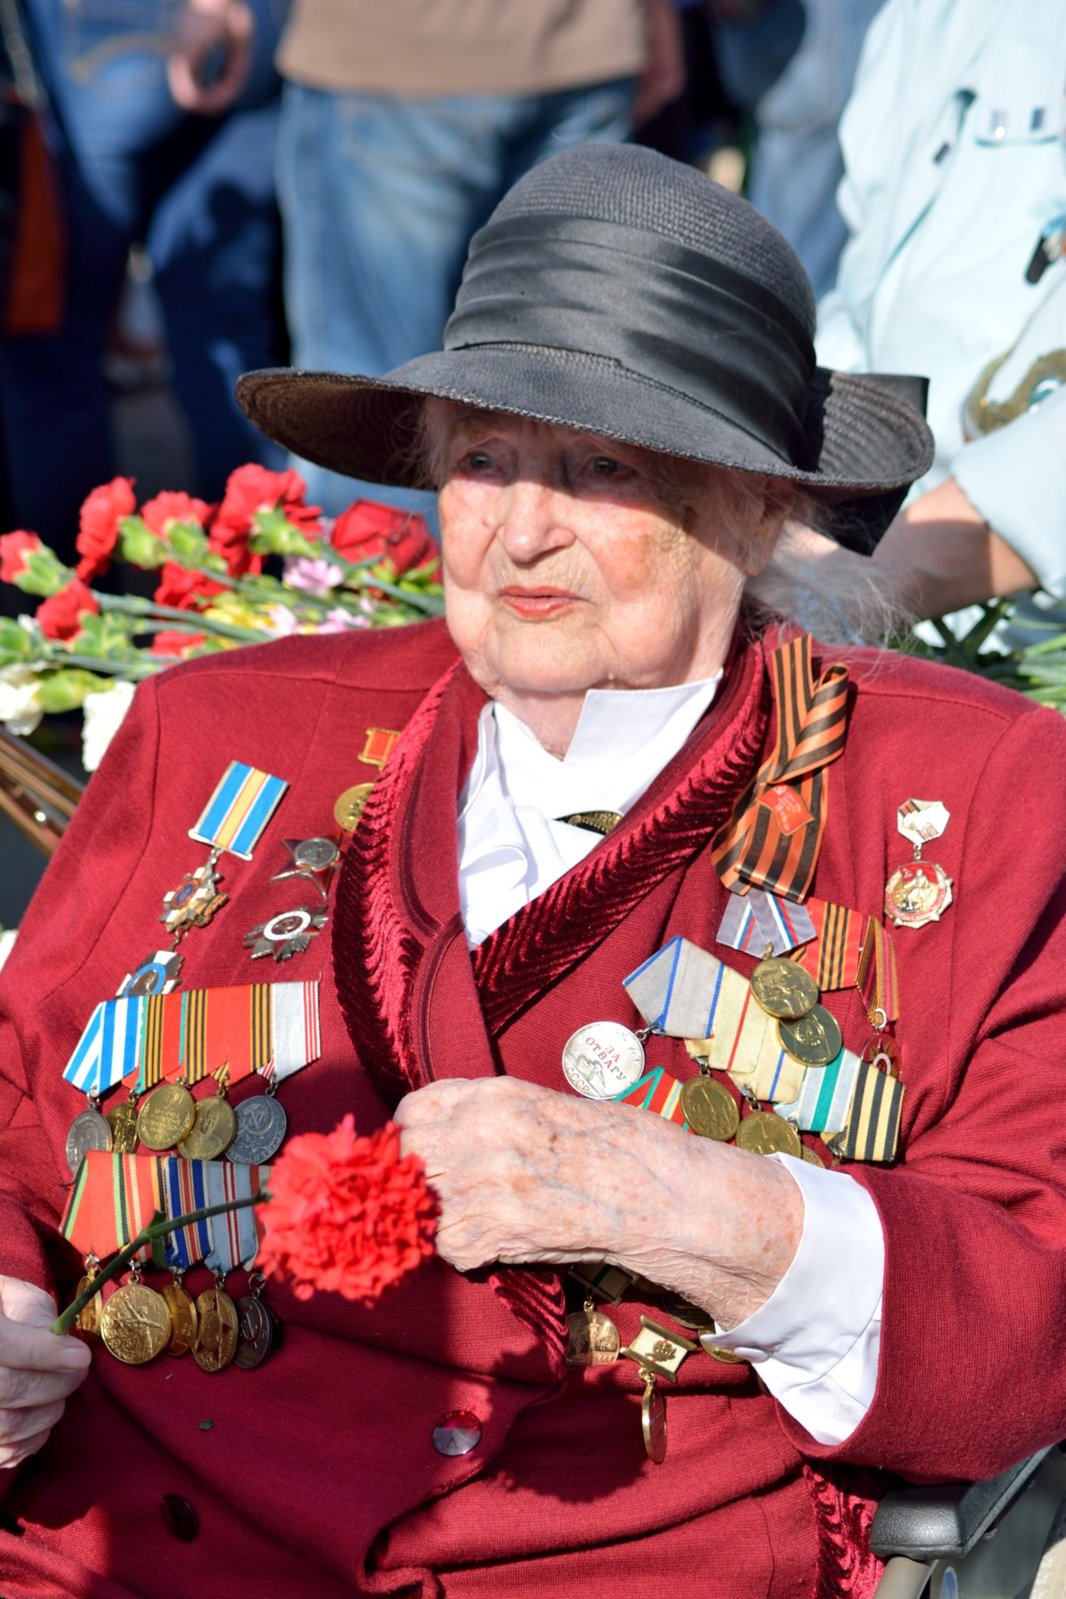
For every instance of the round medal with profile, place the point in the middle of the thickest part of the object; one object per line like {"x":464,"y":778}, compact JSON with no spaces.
{"x":603,"y":1059}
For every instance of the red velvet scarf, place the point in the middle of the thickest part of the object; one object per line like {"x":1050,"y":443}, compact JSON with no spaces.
{"x":398,"y":937}
{"x":399,"y":942}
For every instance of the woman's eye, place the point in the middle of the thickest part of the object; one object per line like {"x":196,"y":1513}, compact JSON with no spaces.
{"x":476,"y":461}
{"x":604,"y":466}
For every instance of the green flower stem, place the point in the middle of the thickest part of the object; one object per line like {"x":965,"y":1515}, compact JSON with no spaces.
{"x":131,"y":605}
{"x":156,"y":1229}
{"x":429,"y":604}
{"x":128,"y":666}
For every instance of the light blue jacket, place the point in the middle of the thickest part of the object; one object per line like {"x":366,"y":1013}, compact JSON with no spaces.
{"x":955,"y":167}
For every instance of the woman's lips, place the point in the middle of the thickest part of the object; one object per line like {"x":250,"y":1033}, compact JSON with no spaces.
{"x":537,"y":602}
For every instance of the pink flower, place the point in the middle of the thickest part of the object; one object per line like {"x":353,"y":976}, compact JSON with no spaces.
{"x":59,"y":616}
{"x":311,"y":575}
{"x":341,"y":621}
{"x":346,"y":1213}
{"x":98,"y":523}
{"x":14,"y":550}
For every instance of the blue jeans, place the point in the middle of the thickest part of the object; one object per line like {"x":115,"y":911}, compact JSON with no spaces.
{"x":379,"y":198}
{"x":200,"y":193}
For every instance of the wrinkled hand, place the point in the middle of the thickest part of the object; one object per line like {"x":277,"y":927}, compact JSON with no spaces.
{"x":37,"y":1369}
{"x":525,"y":1175}
{"x":205,"y":27}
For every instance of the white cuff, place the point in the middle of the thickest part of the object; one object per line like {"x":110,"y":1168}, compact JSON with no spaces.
{"x":815,"y":1342}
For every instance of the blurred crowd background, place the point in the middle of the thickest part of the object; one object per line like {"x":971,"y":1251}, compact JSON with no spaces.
{"x":194,"y":188}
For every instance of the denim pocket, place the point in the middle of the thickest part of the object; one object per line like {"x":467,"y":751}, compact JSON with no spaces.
{"x":120,"y":42}
{"x":433,"y":138}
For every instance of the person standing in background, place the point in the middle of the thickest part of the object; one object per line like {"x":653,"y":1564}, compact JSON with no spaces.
{"x":955,"y":198}
{"x":403,"y":124}
{"x":792,"y":63}
{"x":162,"y":122}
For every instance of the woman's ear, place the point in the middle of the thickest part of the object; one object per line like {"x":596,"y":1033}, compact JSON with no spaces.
{"x":778,"y":499}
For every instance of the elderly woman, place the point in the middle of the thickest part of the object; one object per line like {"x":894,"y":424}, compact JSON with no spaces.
{"x":724,"y":1239}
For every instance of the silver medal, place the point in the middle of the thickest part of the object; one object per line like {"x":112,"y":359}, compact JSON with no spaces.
{"x":261,"y":1127}
{"x":88,"y":1131}
{"x":256,"y":1333}
{"x":602,"y":1059}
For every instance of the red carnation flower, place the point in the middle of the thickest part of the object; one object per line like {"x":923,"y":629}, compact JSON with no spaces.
{"x":14,"y":550}
{"x":346,"y":1213}
{"x":169,"y":507}
{"x":183,"y":589}
{"x":254,"y":488}
{"x":59,"y":616}
{"x":98,"y":524}
{"x":170,"y":642}
{"x":369,"y":530}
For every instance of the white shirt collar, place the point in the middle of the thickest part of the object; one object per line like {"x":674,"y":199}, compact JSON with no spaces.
{"x":511,"y":844}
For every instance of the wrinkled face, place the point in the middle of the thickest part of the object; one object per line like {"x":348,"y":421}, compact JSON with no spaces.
{"x":572,"y":562}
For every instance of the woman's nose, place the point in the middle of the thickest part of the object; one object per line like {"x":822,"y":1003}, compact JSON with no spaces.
{"x":532,"y":519}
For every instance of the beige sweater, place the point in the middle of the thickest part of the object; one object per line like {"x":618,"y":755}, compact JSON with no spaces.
{"x":453,"y":47}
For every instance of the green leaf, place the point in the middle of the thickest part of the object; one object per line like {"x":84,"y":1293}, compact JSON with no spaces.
{"x":189,"y":542}
{"x":65,"y":689}
{"x":16,"y":643}
{"x":275,"y":535}
{"x":139,"y":545}
{"x":43,"y":573}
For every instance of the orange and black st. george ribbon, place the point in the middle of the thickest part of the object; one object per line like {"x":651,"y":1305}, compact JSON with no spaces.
{"x":754,"y":849}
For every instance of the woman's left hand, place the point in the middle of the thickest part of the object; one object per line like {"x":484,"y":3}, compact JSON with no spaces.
{"x":529,"y":1176}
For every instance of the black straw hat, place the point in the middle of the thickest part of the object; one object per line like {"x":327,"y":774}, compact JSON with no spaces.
{"x":623,"y":294}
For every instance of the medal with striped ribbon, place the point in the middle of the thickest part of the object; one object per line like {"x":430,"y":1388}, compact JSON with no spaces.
{"x":191,"y":1034}
{"x":113,"y":1198}
{"x":234,"y":1237}
{"x":773,"y":838}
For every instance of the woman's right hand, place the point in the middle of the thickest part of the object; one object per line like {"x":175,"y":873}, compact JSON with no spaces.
{"x":37,"y":1369}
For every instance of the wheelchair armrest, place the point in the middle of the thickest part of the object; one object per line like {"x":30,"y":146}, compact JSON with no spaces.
{"x":946,"y":1521}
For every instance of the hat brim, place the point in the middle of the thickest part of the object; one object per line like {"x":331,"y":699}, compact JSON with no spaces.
{"x":864,"y":438}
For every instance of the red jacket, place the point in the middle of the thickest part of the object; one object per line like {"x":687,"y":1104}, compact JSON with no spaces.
{"x":318,"y":1475}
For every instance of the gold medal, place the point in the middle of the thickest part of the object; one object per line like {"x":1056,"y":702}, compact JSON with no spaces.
{"x":766,"y":1133}
{"x":591,"y":1338}
{"x":122,"y":1120}
{"x":812,"y":1157}
{"x":88,"y":1322}
{"x":709,"y":1108}
{"x":350,"y":806}
{"x":815,"y":1039}
{"x":784,"y":989}
{"x":219,"y":1330}
{"x":653,"y":1421}
{"x":135,"y":1324}
{"x":682,"y":1310}
{"x":183,"y":1319}
{"x":728,"y":1357}
{"x":212,"y":1132}
{"x":166,"y":1116}
{"x":917,"y":893}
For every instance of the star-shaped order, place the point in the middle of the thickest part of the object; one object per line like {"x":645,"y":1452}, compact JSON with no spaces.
{"x":285,"y":935}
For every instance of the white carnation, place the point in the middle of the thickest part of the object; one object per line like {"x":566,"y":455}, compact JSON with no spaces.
{"x":103,"y":710}
{"x":20,"y":702}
